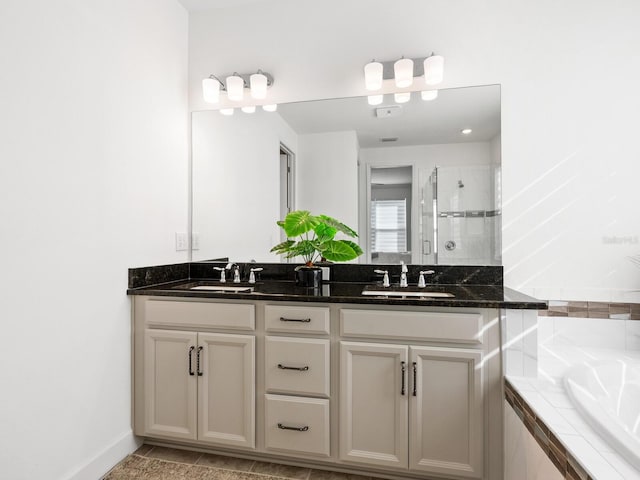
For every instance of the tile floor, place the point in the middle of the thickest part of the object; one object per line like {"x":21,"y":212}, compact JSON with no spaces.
{"x":162,"y":463}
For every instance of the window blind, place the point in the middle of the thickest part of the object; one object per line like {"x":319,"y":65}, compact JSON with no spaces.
{"x":389,"y":226}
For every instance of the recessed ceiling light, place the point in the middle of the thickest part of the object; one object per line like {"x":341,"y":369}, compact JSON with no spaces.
{"x":466,"y":131}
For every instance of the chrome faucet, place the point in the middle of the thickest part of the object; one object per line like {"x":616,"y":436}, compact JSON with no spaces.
{"x":421,"y":282}
{"x":252,"y":275}
{"x":236,"y":274}
{"x":385,"y":279}
{"x":403,"y":276}
{"x":222,"y":271}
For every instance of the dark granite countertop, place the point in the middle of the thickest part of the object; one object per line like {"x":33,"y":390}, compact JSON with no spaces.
{"x":464,"y":295}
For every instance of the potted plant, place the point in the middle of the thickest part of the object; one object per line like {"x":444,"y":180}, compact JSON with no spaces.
{"x":312,"y":237}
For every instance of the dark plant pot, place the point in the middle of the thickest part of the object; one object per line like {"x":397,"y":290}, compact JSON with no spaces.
{"x":309,"y":277}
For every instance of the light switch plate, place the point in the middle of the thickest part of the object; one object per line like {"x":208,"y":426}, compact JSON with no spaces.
{"x":182,"y":241}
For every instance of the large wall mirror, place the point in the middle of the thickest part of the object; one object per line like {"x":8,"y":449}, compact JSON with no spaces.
{"x":419,"y":181}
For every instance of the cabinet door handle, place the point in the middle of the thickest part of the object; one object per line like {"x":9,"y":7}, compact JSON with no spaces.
{"x":297,"y":429}
{"x":299,"y":369}
{"x":191,"y":349}
{"x":402,"y":371}
{"x":415,"y":378}
{"x":303,"y":320}
{"x":198,"y":362}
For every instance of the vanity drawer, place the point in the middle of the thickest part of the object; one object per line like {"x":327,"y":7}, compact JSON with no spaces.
{"x":286,"y":318}
{"x":297,"y":425}
{"x":427,"y":326}
{"x":235,"y":316}
{"x":297,"y":365}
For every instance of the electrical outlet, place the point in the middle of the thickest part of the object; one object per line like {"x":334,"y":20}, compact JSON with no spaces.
{"x":182,"y":241}
{"x":195,"y":241}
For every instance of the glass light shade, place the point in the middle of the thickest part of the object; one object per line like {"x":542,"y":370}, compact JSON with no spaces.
{"x":429,"y":94}
{"x":403,"y":72}
{"x":373,"y":76}
{"x":258,"y":82}
{"x":270,"y":108}
{"x":211,"y":90}
{"x":226,"y":111}
{"x":248,"y":108}
{"x":433,"y":69}
{"x":402,"y":97}
{"x":375,"y":99}
{"x":235,"y":88}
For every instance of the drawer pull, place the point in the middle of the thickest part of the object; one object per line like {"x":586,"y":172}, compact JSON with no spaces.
{"x":303,"y":320}
{"x":191,"y":349}
{"x":299,"y":369}
{"x":297,"y":429}
{"x":402,"y":372}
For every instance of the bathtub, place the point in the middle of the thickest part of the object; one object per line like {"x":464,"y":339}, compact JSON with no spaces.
{"x":607,"y":394}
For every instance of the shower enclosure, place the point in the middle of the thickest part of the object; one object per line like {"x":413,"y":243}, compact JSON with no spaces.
{"x":460,"y":216}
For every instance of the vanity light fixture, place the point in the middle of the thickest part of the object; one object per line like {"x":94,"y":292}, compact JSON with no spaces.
{"x":466,"y":131}
{"x":235,"y":84}
{"x":248,"y":108}
{"x":373,"y":75}
{"x":270,"y":108}
{"x":226,"y":111}
{"x":428,"y":95}
{"x":433,"y":69}
{"x":235,"y":87}
{"x":404,"y":71}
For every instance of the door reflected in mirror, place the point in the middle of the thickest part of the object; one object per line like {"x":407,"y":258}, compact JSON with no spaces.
{"x":417,"y":189}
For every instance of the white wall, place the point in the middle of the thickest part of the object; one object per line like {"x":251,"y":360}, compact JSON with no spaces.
{"x":236,"y":183}
{"x":93,"y":180}
{"x":326,"y":174}
{"x":569,"y":73}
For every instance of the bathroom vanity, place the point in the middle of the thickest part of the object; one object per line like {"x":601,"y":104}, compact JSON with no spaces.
{"x":398,"y":386}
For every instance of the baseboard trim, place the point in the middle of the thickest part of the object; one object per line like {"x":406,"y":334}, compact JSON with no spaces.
{"x":104,"y":461}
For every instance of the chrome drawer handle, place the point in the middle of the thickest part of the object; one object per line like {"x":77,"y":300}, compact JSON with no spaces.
{"x":303,"y":320}
{"x":299,"y":369}
{"x":297,"y":429}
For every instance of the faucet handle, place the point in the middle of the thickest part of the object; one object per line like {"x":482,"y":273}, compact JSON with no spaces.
{"x":252,"y":275}
{"x":236,"y":274}
{"x":385,"y":279}
{"x":421,"y":282}
{"x":222,"y":270}
{"x":403,"y":266}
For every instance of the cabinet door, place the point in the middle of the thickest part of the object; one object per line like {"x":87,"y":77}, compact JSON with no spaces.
{"x":226,"y":389}
{"x":445,"y":418}
{"x":169,"y":387}
{"x":373,"y":404}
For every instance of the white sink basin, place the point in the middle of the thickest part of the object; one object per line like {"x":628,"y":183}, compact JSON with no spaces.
{"x":398,"y":293}
{"x":220,"y":288}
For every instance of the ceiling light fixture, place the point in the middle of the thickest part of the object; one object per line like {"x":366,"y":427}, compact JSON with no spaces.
{"x":270,"y":108}
{"x":373,"y":75}
{"x":226,"y":111}
{"x":248,"y":108}
{"x":466,"y":131}
{"x":433,"y":69}
{"x":402,"y":97}
{"x":235,"y":84}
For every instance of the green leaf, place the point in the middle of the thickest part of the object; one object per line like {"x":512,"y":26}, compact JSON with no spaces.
{"x":324,"y":232}
{"x":337,"y":251}
{"x":298,"y":222}
{"x":338,"y":225}
{"x":304,"y":249}
{"x":283,"y":247}
{"x":356,"y":248}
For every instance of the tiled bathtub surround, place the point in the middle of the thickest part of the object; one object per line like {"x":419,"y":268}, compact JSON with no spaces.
{"x":618,"y":311}
{"x":551,"y":417}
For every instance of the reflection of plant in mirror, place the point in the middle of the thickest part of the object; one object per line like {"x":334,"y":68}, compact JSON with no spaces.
{"x":316,"y":238}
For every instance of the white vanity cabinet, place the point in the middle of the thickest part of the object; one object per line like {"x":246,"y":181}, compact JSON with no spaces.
{"x":416,"y":407}
{"x":195,"y":384}
{"x":297,"y":380}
